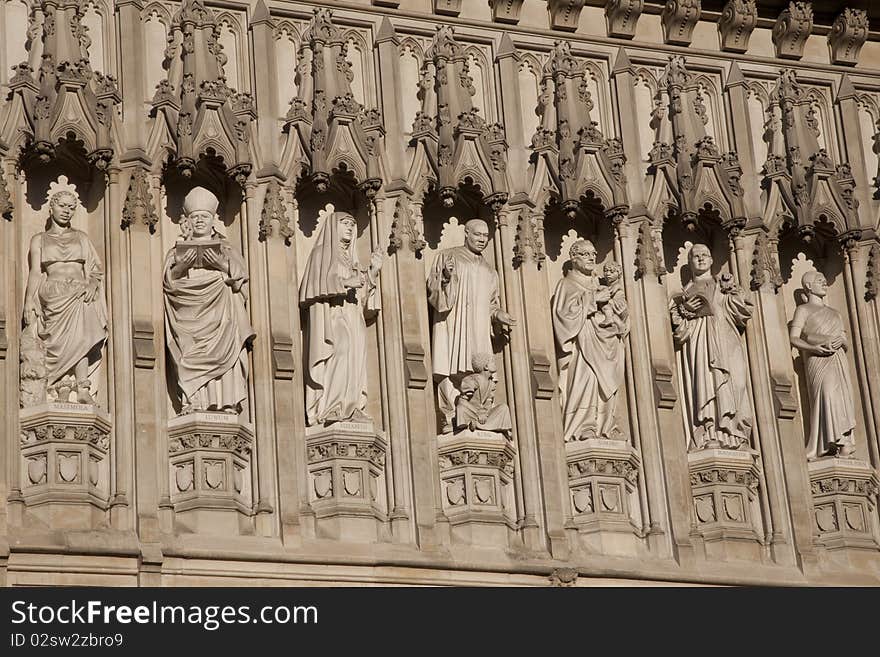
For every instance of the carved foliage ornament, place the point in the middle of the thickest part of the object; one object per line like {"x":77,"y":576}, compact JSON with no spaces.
{"x":765,"y":270}
{"x":274,"y":210}
{"x":738,"y":19}
{"x":6,"y":206}
{"x":679,"y":18}
{"x":621,"y":17}
{"x":872,"y":279}
{"x":138,"y":207}
{"x":648,"y":262}
{"x":792,"y":29}
{"x":565,"y":14}
{"x":848,"y":34}
{"x":405,"y":230}
{"x":506,"y":11}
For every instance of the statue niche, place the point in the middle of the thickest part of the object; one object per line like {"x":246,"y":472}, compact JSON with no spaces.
{"x":591,"y":322}
{"x":206,"y":319}
{"x":463,"y":291}
{"x":708,"y":319}
{"x":65,"y":314}
{"x":817,"y":330}
{"x":337,"y":291}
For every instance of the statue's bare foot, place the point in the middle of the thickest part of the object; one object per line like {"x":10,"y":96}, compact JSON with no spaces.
{"x":845,"y":450}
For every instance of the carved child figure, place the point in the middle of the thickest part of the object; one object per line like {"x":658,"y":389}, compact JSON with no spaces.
{"x":475,"y":407}
{"x":614,"y":310}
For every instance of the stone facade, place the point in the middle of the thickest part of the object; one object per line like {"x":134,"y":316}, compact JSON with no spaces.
{"x":524,"y":292}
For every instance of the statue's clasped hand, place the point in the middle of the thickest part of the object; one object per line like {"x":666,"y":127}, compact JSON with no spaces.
{"x":91,"y":290}
{"x":216,"y":261}
{"x":448,"y":269}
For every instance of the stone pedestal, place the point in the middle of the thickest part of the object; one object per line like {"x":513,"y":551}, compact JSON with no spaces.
{"x":476,"y":482}
{"x":726,"y":507}
{"x":346,"y":462}
{"x":844,"y":503}
{"x":602,"y":479}
{"x":210,"y":469}
{"x":65,"y":469}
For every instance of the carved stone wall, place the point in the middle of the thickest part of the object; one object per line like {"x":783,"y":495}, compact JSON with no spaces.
{"x":600,"y":144}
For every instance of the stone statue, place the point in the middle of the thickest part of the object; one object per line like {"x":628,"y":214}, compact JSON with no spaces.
{"x":206,"y":319}
{"x":463,"y":290}
{"x":819,"y":333}
{"x":65,"y":314}
{"x":337,"y":291}
{"x":475,"y":408}
{"x":591,"y":321}
{"x":707,"y":320}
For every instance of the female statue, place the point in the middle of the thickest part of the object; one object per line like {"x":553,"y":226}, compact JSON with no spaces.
{"x":206,"y":319}
{"x":818,"y":332}
{"x":337,"y":291}
{"x":65,"y":314}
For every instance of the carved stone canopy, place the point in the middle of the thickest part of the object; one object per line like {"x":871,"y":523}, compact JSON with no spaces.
{"x":62,"y":100}
{"x":328,"y":130}
{"x":204,"y":117}
{"x":569,"y":146}
{"x":802,"y":180}
{"x":689,"y":171}
{"x":454,"y":143}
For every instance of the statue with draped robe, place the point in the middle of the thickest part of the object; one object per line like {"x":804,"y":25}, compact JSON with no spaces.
{"x":206,"y":318}
{"x":463,"y":291}
{"x":591,"y":322}
{"x":65,"y":313}
{"x":337,"y":291}
{"x":708,"y":319}
{"x":818,"y":331}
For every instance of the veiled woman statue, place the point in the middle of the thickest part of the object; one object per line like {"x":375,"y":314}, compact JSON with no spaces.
{"x":337,"y":291}
{"x":707,"y":319}
{"x":206,"y":319}
{"x":819,"y":333}
{"x":65,"y":314}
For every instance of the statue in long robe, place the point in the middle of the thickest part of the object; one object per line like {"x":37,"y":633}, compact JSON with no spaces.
{"x":65,"y":314}
{"x":818,"y":331}
{"x":591,"y":321}
{"x":707,"y":320}
{"x":463,"y":291}
{"x":337,"y":291}
{"x":206,"y":318}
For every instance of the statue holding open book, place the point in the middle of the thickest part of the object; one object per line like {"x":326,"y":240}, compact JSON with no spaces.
{"x":206,"y":318}
{"x":708,"y":318}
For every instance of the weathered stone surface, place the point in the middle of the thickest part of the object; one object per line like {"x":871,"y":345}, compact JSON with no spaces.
{"x":554,"y":389}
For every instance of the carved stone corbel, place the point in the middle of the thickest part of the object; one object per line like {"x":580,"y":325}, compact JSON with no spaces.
{"x":848,"y":34}
{"x":621,"y":17}
{"x":738,"y":19}
{"x":679,"y":18}
{"x":506,"y":11}
{"x":792,"y":29}
{"x":447,"y":7}
{"x":565,"y":14}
